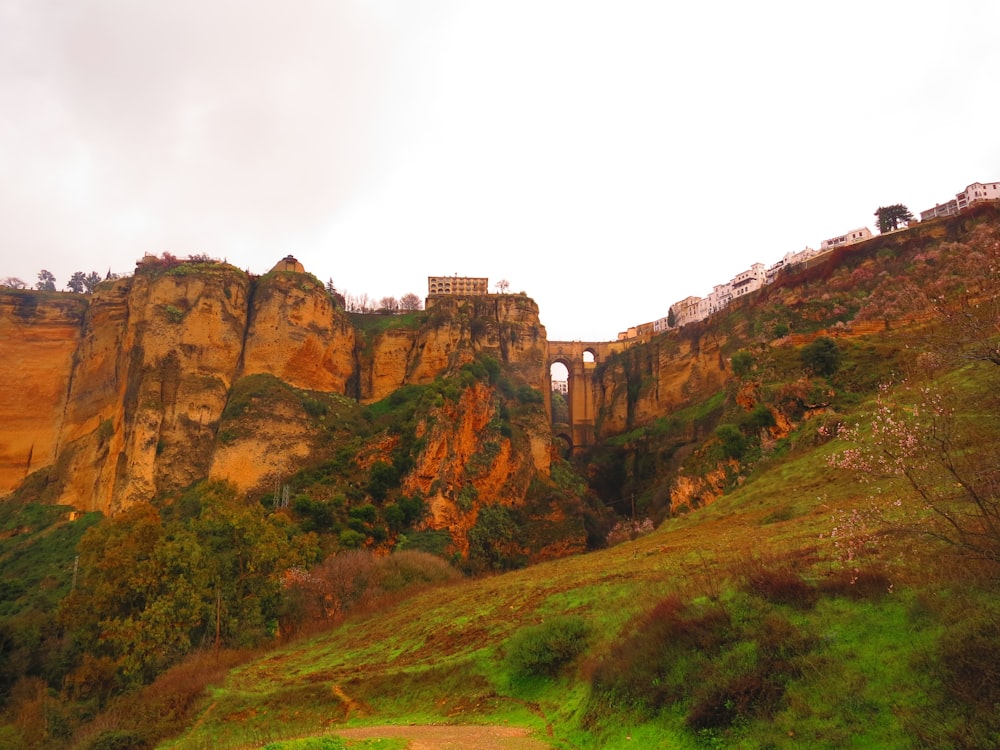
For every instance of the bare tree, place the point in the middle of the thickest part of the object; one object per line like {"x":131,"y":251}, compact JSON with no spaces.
{"x":12,"y":282}
{"x":389,"y":304}
{"x":358,"y":302}
{"x":410,"y":302}
{"x":916,"y":435}
{"x":502,"y":286}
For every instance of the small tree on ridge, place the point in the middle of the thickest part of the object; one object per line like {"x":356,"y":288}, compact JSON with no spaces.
{"x":891,"y":218}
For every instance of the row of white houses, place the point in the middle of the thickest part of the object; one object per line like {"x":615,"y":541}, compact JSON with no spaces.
{"x":974,"y":193}
{"x":691,"y":309}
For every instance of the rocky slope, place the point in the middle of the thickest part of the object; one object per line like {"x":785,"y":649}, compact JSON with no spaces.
{"x":933,"y":286}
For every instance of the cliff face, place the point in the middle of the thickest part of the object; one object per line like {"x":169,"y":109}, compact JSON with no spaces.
{"x":456,"y":331}
{"x":296,"y":334}
{"x":119,"y":396}
{"x":39,"y":336}
{"x":649,"y":381}
{"x":158,"y":355}
{"x":470,"y":459}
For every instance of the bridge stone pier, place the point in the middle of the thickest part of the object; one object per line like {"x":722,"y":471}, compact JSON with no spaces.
{"x":580,"y":359}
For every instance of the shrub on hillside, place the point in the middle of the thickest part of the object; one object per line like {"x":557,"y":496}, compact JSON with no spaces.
{"x":732,"y":440}
{"x":716,"y":668}
{"x":542,"y":650}
{"x":357,"y":579}
{"x":963,"y":668}
{"x":666,"y":651}
{"x":117,"y":739}
{"x":871,"y":582}
{"x":779,"y":585}
{"x":968,"y":665}
{"x":140,"y":719}
{"x":757,"y":419}
{"x":625,"y":531}
{"x":493,"y":540}
{"x":821,"y":357}
{"x":748,"y":679}
{"x":742,"y":363}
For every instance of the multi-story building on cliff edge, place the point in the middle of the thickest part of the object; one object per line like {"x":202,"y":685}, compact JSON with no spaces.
{"x":460,"y":285}
{"x":848,"y":238}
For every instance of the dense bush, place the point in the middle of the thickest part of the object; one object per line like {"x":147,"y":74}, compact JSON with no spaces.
{"x":152,"y":588}
{"x":492,"y":540}
{"x":821,"y":357}
{"x":116,"y":739}
{"x":966,"y":664}
{"x":542,"y":650}
{"x":665,"y":651}
{"x":718,"y":669}
{"x":732,"y":440}
{"x":758,"y":418}
{"x":140,"y":719}
{"x":778,"y":585}
{"x":742,"y":363}
{"x":748,"y":680}
{"x":357,"y":579}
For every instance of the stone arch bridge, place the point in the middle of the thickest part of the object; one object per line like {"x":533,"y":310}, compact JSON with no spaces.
{"x":580,"y":359}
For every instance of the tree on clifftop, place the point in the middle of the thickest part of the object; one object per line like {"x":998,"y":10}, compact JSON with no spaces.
{"x":76,"y":282}
{"x":337,"y":296}
{"x":891,"y":218}
{"x":409,"y":302}
{"x":46,"y":281}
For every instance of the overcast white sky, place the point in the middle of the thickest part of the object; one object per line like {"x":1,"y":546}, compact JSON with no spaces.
{"x":607,"y":158}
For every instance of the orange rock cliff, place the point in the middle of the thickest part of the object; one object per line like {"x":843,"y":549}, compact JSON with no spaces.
{"x":118,"y":395}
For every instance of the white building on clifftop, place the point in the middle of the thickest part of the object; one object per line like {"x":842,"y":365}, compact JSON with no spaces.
{"x":848,"y":238}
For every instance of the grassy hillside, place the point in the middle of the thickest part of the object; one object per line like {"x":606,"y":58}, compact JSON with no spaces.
{"x":743,"y":624}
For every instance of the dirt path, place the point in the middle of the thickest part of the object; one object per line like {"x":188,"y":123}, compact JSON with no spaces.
{"x":447,"y":737}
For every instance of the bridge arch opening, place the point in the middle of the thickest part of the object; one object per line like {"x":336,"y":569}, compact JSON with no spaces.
{"x":559,"y":386}
{"x":589,"y":356}
{"x":559,"y":373}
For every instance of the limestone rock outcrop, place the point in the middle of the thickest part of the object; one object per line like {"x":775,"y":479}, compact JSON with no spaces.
{"x":657,"y":378}
{"x":39,"y":338}
{"x":296,"y":334}
{"x":118,"y":396}
{"x":468,"y":457}
{"x":157,"y":356}
{"x":456,"y":331}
